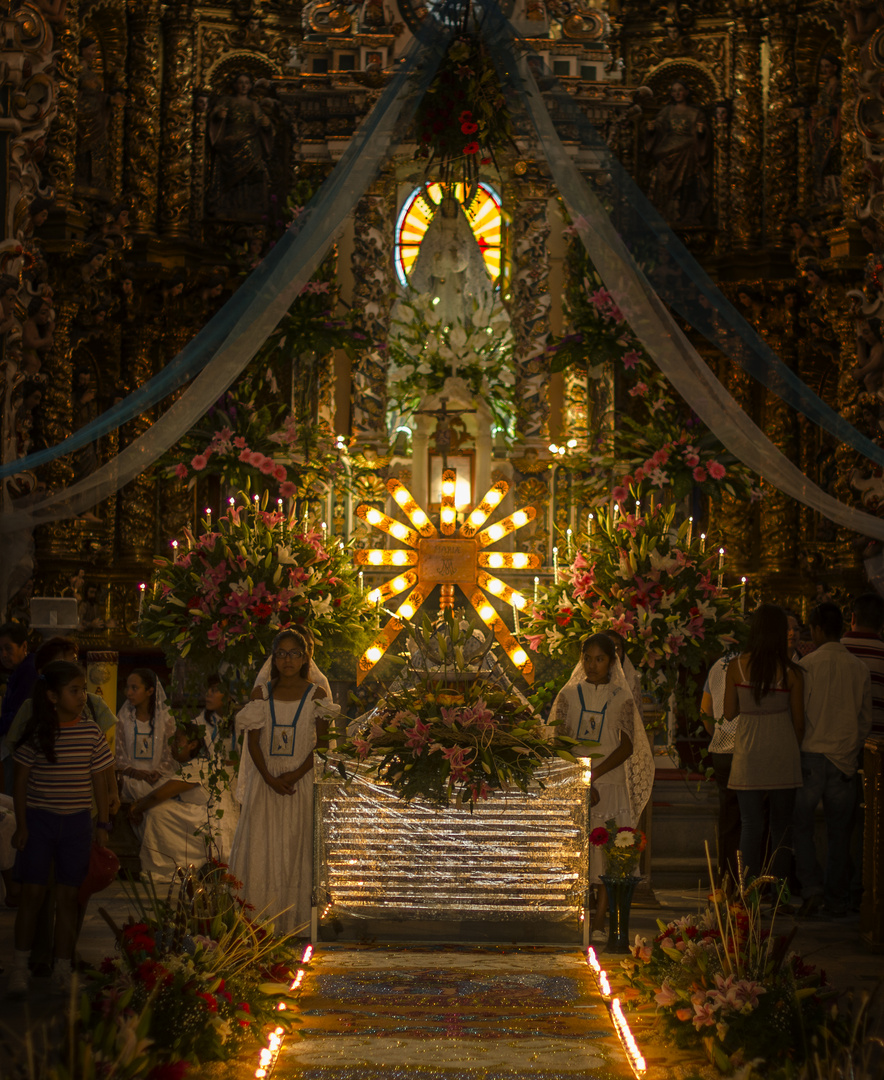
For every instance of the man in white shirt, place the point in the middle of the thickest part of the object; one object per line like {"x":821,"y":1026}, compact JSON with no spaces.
{"x":838,"y":717}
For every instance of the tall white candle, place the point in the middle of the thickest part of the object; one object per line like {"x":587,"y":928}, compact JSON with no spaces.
{"x":140,"y":601}
{"x":536,"y":590}
{"x":690,"y":530}
{"x":743,"y":596}
{"x":720,"y":567}
{"x":569,"y":537}
{"x":361,"y":583}
{"x":555,"y":566}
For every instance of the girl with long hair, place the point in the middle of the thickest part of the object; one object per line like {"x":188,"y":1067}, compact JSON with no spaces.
{"x":272,"y":852}
{"x":144,"y":728}
{"x":765,"y":688}
{"x":60,"y":761}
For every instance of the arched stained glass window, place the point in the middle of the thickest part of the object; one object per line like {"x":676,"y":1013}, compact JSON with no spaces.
{"x":483,"y":214}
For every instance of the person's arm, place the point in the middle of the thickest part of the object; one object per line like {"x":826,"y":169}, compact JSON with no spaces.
{"x":280,"y":784}
{"x":606,"y":765}
{"x":113,"y":793}
{"x":796,"y":702}
{"x":865,"y":711}
{"x":100,"y":790}
{"x":162,"y":794}
{"x":731,"y":698}
{"x":20,"y":801}
{"x":707,"y":717}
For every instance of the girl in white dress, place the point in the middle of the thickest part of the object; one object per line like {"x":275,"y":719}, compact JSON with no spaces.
{"x":273,"y":849}
{"x":597,"y":707}
{"x":144,"y":728}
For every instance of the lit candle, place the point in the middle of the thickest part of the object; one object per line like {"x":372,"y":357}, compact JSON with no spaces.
{"x":209,"y":516}
{"x":140,"y":601}
{"x":231,"y":501}
{"x":324,"y":531}
{"x":555,"y":566}
{"x":743,"y":595}
{"x":690,"y":530}
{"x":279,"y":505}
{"x":536,"y":590}
{"x":361,"y":583}
{"x":516,"y":629}
{"x":638,"y":507}
{"x":702,"y":543}
{"x":720,"y":567}
{"x":591,"y":524}
{"x":570,"y":536}
{"x":174,"y":549}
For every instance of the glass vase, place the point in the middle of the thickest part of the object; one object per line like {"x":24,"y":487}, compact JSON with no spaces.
{"x":619,"y":890}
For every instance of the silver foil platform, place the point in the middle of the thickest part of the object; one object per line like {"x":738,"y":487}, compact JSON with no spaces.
{"x":515,"y":865}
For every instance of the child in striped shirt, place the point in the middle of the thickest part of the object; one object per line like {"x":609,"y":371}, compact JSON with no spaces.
{"x":60,"y":760}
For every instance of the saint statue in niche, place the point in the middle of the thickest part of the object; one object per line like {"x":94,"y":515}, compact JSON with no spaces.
{"x":680,"y":147}
{"x":242,"y":139}
{"x":824,"y":128}
{"x":94,"y":110}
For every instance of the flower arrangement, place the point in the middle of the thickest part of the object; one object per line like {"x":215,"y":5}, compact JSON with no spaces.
{"x":723,"y":982}
{"x":622,"y":847}
{"x":424,"y":354}
{"x":654,"y":584}
{"x":224,"y":595}
{"x":448,"y":736}
{"x":195,"y":979}
{"x":463,"y":120}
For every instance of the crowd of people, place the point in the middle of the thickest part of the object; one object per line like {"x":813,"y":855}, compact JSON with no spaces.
{"x":787,"y":721}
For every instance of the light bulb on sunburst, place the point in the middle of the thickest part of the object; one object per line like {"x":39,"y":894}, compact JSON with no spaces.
{"x":448,"y":560}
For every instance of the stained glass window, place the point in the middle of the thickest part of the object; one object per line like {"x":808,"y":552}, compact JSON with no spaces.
{"x":483,"y":214}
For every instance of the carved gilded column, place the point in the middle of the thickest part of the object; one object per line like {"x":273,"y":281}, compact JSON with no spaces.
{"x":746,"y":130}
{"x":142,"y":146}
{"x":530,"y":311}
{"x":176,"y":160}
{"x":781,"y":133}
{"x":62,"y":144}
{"x":372,"y":272}
{"x":137,"y":509}
{"x":854,"y":175}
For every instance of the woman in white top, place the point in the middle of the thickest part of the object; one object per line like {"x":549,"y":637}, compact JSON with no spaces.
{"x":144,"y":728}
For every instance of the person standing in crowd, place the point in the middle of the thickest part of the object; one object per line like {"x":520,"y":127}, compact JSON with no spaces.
{"x":144,"y":728}
{"x":14,"y":656}
{"x":863,"y":640}
{"x":721,"y":750}
{"x":60,"y":763}
{"x":838,"y":717}
{"x":766,"y":690}
{"x":273,"y":849}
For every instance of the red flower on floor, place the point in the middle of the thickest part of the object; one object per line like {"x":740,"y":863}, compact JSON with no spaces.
{"x":599,"y":837}
{"x":211,"y":1002}
{"x":244,"y":1006}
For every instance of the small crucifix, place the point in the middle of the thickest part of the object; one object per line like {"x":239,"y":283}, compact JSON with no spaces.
{"x":444,"y":416}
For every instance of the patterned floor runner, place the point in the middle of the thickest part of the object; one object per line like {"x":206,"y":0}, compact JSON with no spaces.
{"x":446,"y":1013}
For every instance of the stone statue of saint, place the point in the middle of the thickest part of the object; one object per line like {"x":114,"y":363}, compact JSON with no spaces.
{"x":450,"y":264}
{"x":241,"y":137}
{"x":680,"y":147}
{"x":94,"y":110}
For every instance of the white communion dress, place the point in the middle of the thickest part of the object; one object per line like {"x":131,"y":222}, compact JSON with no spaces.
{"x":175,"y":831}
{"x":598,"y":714}
{"x":272,"y":852}
{"x":143,"y":745}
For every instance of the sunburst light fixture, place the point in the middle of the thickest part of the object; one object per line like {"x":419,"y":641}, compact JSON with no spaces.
{"x":441,"y":557}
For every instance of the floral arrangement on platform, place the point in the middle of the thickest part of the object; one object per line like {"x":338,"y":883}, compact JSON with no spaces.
{"x":463,"y":120}
{"x":724,"y":983}
{"x":424,"y":353}
{"x":653,"y":583}
{"x":454,"y":733}
{"x":194,"y":980}
{"x":622,"y":846}
{"x":224,"y":595}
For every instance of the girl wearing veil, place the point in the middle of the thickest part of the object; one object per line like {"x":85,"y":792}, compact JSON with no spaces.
{"x":597,"y":707}
{"x":144,"y":728}
{"x":272,"y":852}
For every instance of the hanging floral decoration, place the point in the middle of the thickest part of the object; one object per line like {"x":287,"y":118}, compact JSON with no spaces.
{"x":223,"y":596}
{"x":424,"y":353}
{"x":463,"y":120}
{"x":655,"y":585}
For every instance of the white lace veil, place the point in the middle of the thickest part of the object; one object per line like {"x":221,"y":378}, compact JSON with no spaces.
{"x":639,"y":766}
{"x":314,"y":675}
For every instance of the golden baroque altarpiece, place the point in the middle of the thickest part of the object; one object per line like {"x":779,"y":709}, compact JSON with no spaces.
{"x":149,"y":146}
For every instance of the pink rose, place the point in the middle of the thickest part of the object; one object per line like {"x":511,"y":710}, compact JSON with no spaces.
{"x":268,"y":466}
{"x":181,"y":470}
{"x":256,"y":458}
{"x":699,"y":474}
{"x":717,"y":470}
{"x":199,"y":462}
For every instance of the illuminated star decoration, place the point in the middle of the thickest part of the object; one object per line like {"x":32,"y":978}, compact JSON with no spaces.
{"x":448,"y":560}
